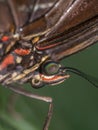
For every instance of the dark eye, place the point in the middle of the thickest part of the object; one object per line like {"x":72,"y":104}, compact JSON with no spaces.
{"x":50,"y":68}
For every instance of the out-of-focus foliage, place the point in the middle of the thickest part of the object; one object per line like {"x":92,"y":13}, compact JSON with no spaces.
{"x":75,"y":101}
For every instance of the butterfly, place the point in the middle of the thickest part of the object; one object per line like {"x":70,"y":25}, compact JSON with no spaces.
{"x":35,"y":35}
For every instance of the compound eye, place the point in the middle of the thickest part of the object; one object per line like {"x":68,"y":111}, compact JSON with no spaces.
{"x":50,"y":68}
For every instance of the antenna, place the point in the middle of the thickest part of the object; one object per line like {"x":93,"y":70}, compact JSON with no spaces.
{"x":89,"y":78}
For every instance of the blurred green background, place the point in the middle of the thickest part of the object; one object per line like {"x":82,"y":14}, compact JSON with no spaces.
{"x":75,"y":100}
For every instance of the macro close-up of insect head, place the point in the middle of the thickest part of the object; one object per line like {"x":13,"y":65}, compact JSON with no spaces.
{"x":48,"y":64}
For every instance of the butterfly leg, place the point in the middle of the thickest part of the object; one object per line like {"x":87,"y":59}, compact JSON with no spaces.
{"x":26,"y":93}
